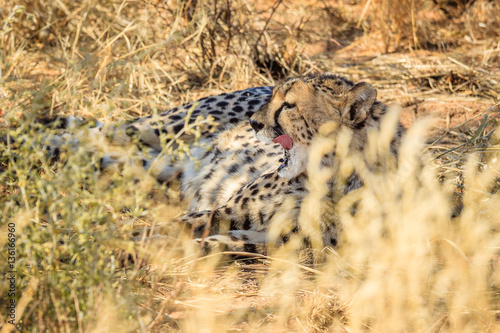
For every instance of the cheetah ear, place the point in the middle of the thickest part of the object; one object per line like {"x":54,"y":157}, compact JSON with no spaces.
{"x":357,"y":102}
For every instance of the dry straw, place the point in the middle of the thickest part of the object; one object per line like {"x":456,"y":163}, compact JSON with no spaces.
{"x":419,"y":244}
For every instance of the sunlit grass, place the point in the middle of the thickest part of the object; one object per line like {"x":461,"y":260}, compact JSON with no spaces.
{"x":85,"y":261}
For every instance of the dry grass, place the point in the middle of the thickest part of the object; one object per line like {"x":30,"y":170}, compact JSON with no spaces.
{"x":439,"y":24}
{"x":421,"y":251}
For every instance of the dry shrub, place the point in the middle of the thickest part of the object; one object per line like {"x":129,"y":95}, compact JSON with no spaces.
{"x":411,"y":24}
{"x":137,"y":56}
{"x":429,"y":24}
{"x":482,"y":20}
{"x":210,"y":31}
{"x":396,"y":21}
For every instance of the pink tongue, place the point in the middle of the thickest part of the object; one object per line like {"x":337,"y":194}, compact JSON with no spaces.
{"x":285,"y":141}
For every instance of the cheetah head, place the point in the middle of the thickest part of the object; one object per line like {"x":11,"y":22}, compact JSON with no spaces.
{"x":299,"y":106}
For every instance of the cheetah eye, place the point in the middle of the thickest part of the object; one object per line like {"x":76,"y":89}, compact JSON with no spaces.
{"x":288,"y":106}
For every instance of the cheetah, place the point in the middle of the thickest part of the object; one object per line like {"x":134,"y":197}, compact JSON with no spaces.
{"x":251,"y":164}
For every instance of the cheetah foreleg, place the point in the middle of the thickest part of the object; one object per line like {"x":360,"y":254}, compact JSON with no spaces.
{"x":208,"y":229}
{"x":236,"y":241}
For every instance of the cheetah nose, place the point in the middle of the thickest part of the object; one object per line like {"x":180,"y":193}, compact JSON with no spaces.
{"x":257,"y":126}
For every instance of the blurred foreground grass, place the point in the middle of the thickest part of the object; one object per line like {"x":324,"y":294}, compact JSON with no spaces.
{"x":404,"y":264}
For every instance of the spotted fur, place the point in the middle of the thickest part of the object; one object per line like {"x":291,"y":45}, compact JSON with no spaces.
{"x":297,"y":108}
{"x":234,"y":184}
